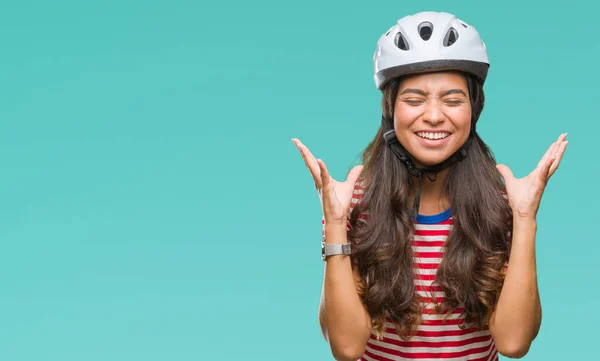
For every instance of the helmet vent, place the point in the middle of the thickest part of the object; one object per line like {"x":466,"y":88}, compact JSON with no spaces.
{"x":425,"y":30}
{"x":400,"y":42}
{"x":451,"y":37}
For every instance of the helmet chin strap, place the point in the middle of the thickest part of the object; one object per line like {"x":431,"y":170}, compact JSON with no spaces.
{"x":430,"y":171}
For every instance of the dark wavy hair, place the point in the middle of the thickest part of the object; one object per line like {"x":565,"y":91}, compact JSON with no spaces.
{"x":470,"y":273}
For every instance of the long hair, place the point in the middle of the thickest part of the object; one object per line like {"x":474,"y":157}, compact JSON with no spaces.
{"x":382,"y":228}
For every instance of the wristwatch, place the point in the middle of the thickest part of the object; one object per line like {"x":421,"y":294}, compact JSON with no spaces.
{"x":334,"y":249}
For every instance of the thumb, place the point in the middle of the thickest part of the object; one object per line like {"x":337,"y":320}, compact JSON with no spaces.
{"x":354,"y":173}
{"x":505,"y":172}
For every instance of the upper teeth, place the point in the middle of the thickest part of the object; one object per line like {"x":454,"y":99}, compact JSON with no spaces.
{"x":429,"y":135}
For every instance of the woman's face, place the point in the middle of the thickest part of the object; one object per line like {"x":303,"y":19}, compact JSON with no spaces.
{"x":432,"y":115}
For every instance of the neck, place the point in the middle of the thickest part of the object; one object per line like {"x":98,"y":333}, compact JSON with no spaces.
{"x":433,"y":200}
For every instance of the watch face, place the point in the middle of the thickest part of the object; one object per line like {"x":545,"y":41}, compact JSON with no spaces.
{"x":323,"y":249}
{"x":347,"y":250}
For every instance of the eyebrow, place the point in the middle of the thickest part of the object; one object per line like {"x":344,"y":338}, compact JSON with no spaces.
{"x":415,"y":91}
{"x":423,"y":93}
{"x":454,"y":91}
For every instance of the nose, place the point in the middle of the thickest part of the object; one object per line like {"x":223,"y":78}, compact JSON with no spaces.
{"x":433,"y":113}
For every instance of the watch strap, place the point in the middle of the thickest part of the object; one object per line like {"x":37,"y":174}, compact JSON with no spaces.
{"x":335,"y":249}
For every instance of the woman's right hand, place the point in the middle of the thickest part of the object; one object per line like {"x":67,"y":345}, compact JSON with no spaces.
{"x":335,"y":196}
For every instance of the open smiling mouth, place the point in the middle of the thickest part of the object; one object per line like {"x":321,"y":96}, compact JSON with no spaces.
{"x":433,"y":135}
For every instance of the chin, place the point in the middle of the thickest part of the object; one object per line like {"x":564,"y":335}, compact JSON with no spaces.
{"x":430,"y":157}
{"x":429,"y":161}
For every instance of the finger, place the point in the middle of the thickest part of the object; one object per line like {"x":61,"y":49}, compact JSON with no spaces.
{"x":309,"y":156}
{"x":316,"y":174}
{"x":556,"y":154}
{"x":559,"y":155}
{"x":313,"y":167}
{"x":354,"y":174}
{"x":562,"y":137}
{"x":544,"y":172}
{"x":546,"y":155}
{"x":325,"y":178}
{"x":552,"y":150}
{"x":311,"y":162}
{"x":559,"y":142}
{"x":505,"y":172}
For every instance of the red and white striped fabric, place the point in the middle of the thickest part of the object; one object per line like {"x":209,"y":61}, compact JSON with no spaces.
{"x":436,"y":339}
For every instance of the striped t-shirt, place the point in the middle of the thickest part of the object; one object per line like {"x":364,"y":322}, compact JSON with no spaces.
{"x":436,"y":338}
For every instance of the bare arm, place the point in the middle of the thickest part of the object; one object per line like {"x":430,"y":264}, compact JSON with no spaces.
{"x":515,"y":322}
{"x":517,"y":319}
{"x":344,"y":320}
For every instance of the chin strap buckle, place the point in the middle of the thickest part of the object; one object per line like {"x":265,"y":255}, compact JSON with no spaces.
{"x":390,"y":137}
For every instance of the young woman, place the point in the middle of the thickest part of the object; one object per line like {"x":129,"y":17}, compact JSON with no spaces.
{"x":429,"y":254}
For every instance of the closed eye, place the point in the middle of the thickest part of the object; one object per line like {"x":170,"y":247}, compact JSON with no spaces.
{"x":413,"y":101}
{"x":455,"y":102}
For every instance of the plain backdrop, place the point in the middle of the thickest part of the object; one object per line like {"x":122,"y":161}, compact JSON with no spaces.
{"x":153,"y":206}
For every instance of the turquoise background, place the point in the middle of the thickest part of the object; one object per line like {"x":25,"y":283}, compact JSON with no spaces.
{"x":153,"y":206}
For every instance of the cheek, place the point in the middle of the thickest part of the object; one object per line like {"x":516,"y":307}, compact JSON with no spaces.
{"x":461,"y":119}
{"x":404,"y":116}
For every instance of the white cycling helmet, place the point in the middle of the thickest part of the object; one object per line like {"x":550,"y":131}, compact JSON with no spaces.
{"x":429,"y":41}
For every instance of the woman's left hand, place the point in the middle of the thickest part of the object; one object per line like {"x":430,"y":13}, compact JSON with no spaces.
{"x":525,"y":194}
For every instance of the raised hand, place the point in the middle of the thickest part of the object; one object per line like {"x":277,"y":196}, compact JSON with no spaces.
{"x":525,"y":194}
{"x":335,"y":196}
